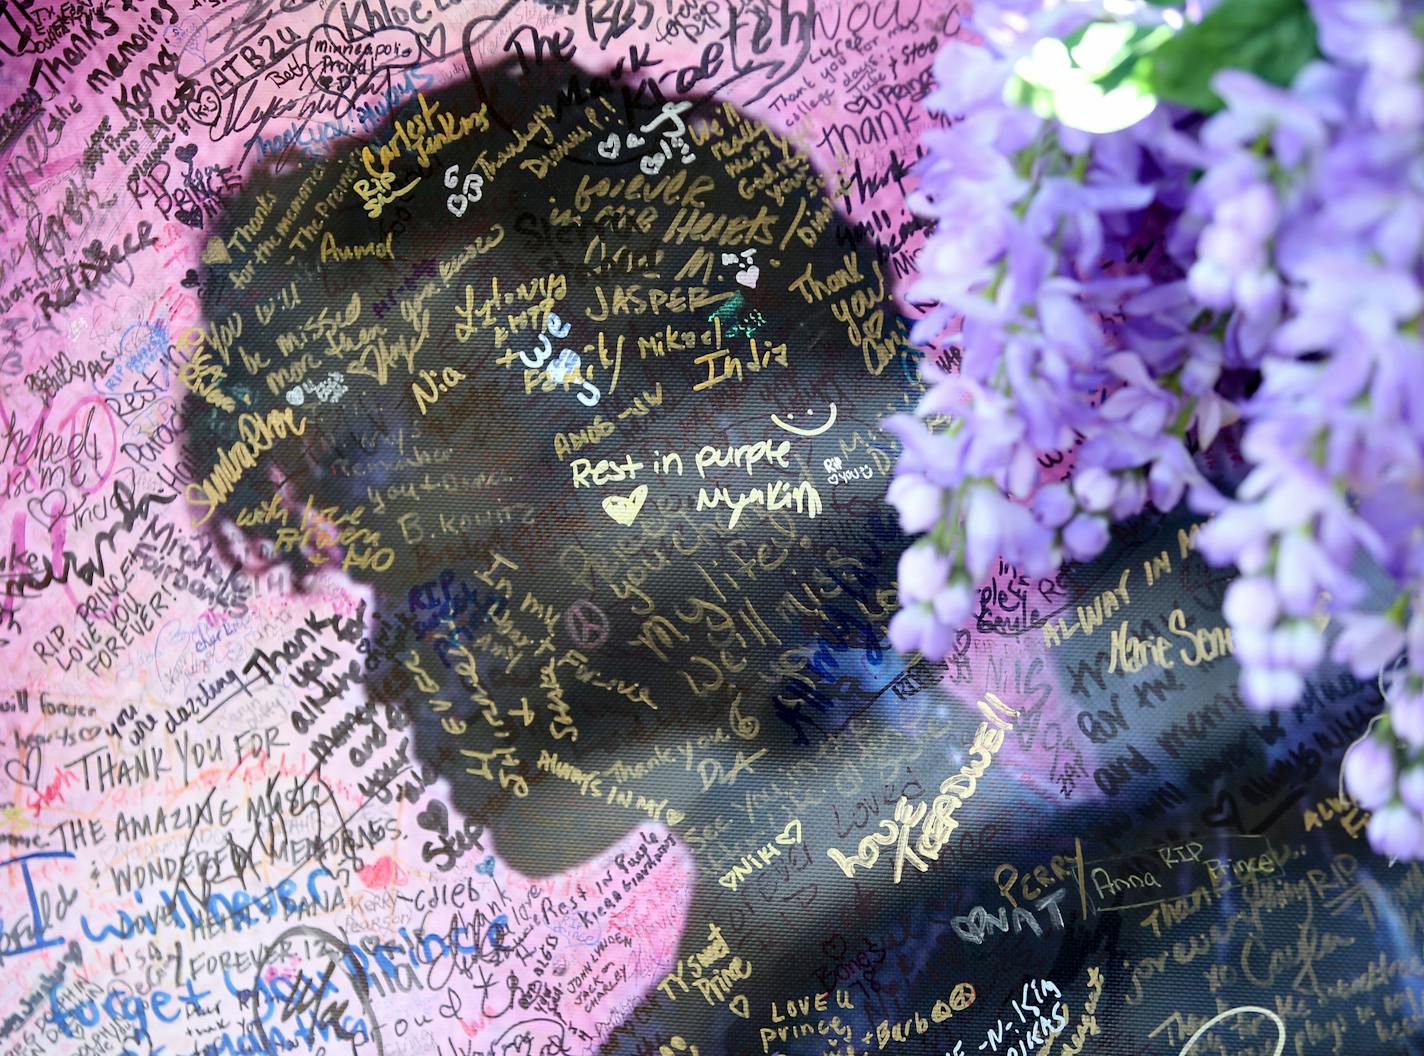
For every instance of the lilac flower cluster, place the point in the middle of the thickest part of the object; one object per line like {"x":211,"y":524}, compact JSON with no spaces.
{"x":1289,"y":298}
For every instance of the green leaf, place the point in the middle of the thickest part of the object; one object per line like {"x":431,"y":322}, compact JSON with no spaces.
{"x":1134,"y":65}
{"x":1120,"y":73}
{"x":1072,"y":40}
{"x":1049,"y":82}
{"x":1271,"y":38}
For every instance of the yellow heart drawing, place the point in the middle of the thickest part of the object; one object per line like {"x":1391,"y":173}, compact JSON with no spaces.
{"x":625,"y":510}
{"x":215,"y":252}
{"x":674,"y":817}
{"x":785,"y":837}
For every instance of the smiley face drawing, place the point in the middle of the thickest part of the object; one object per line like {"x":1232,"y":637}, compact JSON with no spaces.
{"x":830,"y":421}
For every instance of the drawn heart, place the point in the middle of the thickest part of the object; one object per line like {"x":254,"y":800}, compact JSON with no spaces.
{"x":186,"y":153}
{"x":749,"y":276}
{"x":487,"y":866}
{"x":742,"y":1009}
{"x":191,"y":217}
{"x":385,"y":871}
{"x":296,"y":397}
{"x":49,"y":507}
{"x":434,"y":818}
{"x":651,"y":164}
{"x":609,"y":147}
{"x":633,"y":141}
{"x":791,"y":835}
{"x":206,"y":105}
{"x":215,"y":252}
{"x":674,"y":817}
{"x":625,"y":510}
{"x":25,"y":771}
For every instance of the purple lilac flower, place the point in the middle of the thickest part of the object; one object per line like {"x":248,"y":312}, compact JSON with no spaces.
{"x":1368,"y":642}
{"x":1369,"y":773}
{"x":1293,"y":227}
{"x":923,"y":573}
{"x":1396,"y":831}
{"x":1411,"y":788}
{"x":915,"y":629}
